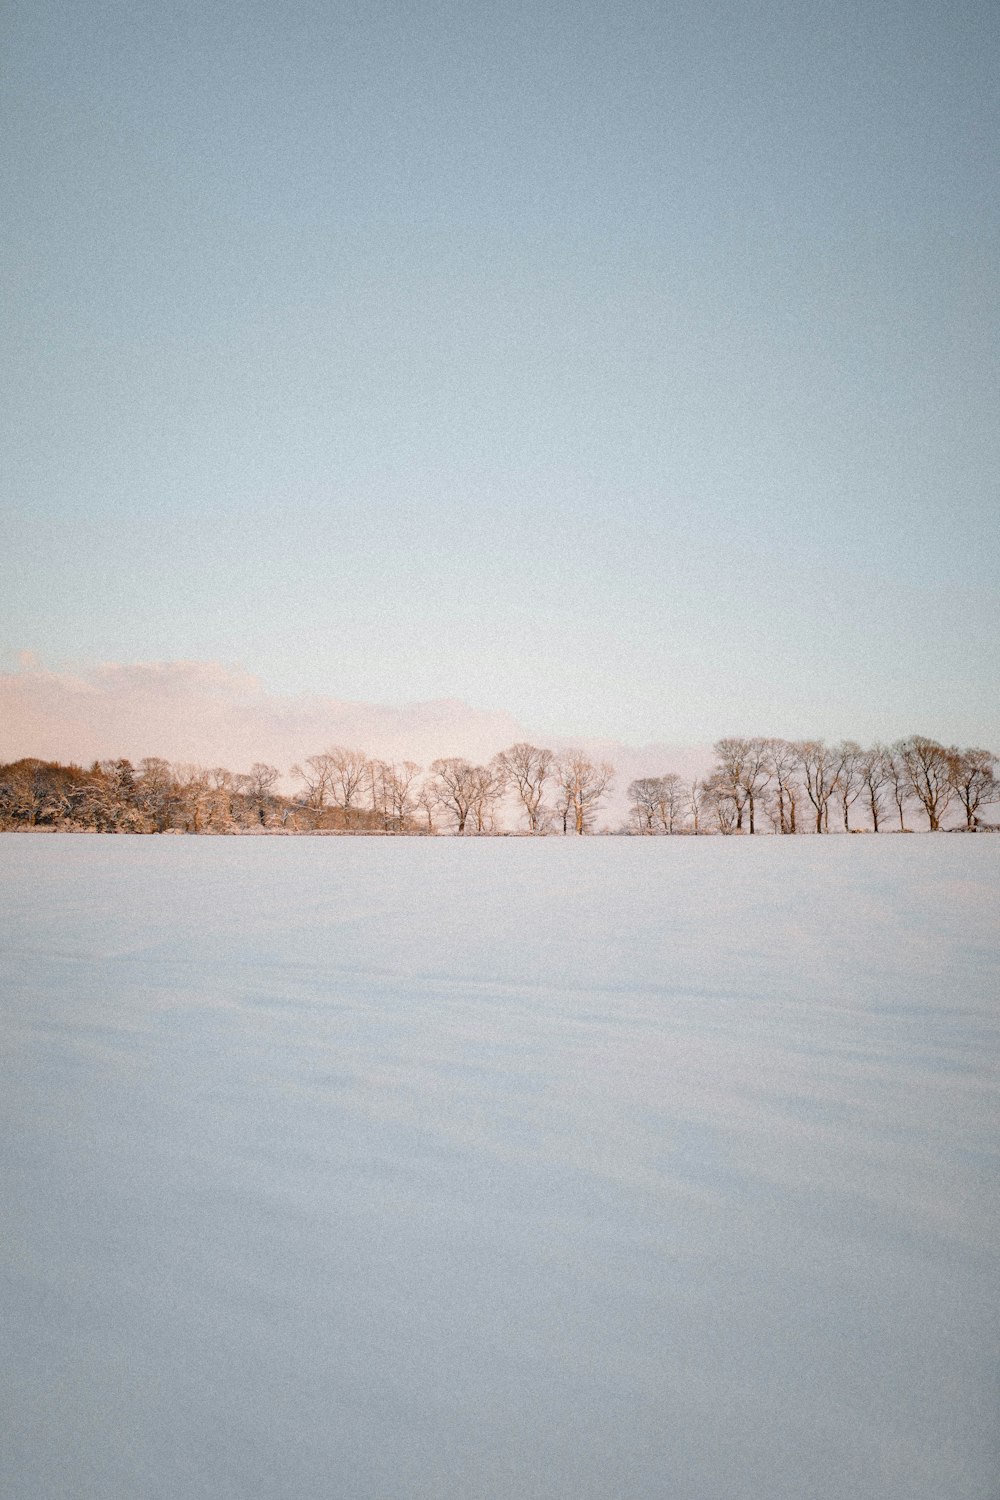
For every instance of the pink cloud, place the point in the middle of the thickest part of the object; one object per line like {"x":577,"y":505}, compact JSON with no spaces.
{"x":211,"y":714}
{"x":216,"y":715}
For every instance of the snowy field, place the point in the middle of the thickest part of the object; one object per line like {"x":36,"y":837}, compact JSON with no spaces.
{"x":437,"y":1170}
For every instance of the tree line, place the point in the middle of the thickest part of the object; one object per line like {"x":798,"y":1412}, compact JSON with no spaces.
{"x":756,"y":785}
{"x":798,"y":786}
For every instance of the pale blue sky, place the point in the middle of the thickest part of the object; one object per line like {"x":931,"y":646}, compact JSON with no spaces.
{"x":630,"y":367}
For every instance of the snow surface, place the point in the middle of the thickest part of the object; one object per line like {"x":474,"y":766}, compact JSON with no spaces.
{"x":364,"y":1169}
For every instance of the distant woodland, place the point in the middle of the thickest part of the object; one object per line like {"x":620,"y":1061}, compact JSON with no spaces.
{"x":756,"y":786}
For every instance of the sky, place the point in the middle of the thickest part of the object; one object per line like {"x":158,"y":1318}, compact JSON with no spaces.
{"x":629,"y":369}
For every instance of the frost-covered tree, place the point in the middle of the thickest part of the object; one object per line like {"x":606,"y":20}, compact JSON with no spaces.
{"x":582,"y":786}
{"x":783,"y":763}
{"x":399,"y":784}
{"x":156,"y":791}
{"x":743,"y":769}
{"x":699,"y":805}
{"x":260,"y":785}
{"x":527,"y":770}
{"x":657,"y":803}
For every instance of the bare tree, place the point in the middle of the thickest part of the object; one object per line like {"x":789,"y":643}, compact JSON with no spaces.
{"x":751,"y":775}
{"x":756,"y":773}
{"x":454,"y":786}
{"x":974,"y":781}
{"x":427,"y":801}
{"x":487,"y":787}
{"x":849,"y":784}
{"x":564,"y":799}
{"x":377,"y":777}
{"x":728,"y":782}
{"x":928,"y":768}
{"x":657,"y":803}
{"x":399,"y":781}
{"x":898,"y":778}
{"x":818,"y":765}
{"x":744,"y":769}
{"x":528,"y":769}
{"x":723,"y":800}
{"x":642,"y":796}
{"x":874,"y":770}
{"x":260,"y":788}
{"x":783,"y":762}
{"x":670,"y":801}
{"x":316,"y":777}
{"x":699,"y":803}
{"x":349,"y":773}
{"x":338,"y":775}
{"x":582,"y":787}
